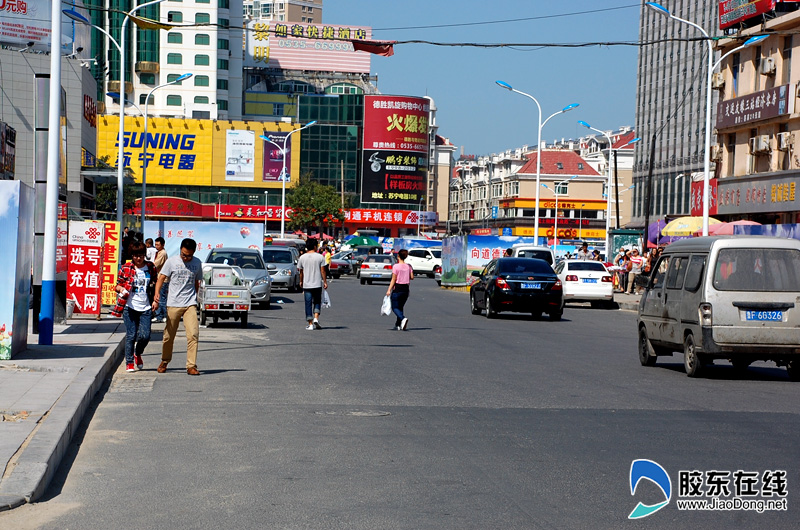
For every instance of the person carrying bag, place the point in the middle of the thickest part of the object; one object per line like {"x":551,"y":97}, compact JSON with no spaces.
{"x":399,"y":289}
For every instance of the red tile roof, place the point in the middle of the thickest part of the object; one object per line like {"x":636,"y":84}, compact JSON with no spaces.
{"x":624,"y":139}
{"x":550,"y":159}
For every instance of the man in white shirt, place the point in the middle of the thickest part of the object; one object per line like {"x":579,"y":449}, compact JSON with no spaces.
{"x":637,"y":263}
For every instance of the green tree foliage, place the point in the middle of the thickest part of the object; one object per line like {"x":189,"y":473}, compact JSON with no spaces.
{"x":314,"y":205}
{"x":106,"y":197}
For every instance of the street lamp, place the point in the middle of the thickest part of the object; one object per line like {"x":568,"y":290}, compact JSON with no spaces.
{"x":283,"y":170}
{"x":115,"y":95}
{"x":608,"y":182}
{"x":555,"y":218}
{"x":76,"y":16}
{"x":580,"y":222}
{"x":505,"y":85}
{"x":419,"y":215}
{"x":266,"y":207}
{"x":144,"y":147}
{"x":711,"y":66}
{"x":219,"y":204}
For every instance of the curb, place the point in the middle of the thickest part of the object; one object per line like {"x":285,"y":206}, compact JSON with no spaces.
{"x":39,"y":461}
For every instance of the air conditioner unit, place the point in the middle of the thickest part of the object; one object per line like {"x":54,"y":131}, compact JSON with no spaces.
{"x":717,"y":81}
{"x":767,"y":66}
{"x":785,"y":140}
{"x":716,"y":152}
{"x":759,"y":144}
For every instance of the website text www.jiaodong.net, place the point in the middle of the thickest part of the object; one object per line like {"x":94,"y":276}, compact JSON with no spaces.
{"x":734,"y":504}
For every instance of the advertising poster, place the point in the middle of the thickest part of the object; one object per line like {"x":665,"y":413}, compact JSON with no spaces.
{"x":85,"y":266}
{"x":273,"y":157}
{"x":454,"y":261}
{"x":483,"y":249}
{"x":208,"y":235}
{"x":16,"y":239}
{"x":61,"y":247}
{"x":240,"y":151}
{"x":395,"y":155}
{"x":252,"y":213}
{"x":300,"y":46}
{"x":111,"y":242}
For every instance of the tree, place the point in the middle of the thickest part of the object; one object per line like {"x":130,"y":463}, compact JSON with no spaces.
{"x":314,"y":205}
{"x":106,"y":197}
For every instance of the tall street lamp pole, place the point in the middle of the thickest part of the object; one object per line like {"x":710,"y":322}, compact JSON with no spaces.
{"x":608,"y":183}
{"x":505,"y":85}
{"x":283,"y":170}
{"x":555,"y":218}
{"x":145,"y":162}
{"x":711,"y":66}
{"x":266,"y":207}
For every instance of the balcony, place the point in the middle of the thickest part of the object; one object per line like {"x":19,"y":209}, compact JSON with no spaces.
{"x":146,"y":67}
{"x":113,"y":86}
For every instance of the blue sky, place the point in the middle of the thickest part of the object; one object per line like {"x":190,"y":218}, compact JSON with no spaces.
{"x":474,"y":112}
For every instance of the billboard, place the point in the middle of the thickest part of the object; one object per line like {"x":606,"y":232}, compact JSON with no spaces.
{"x":85,"y":263}
{"x":395,"y":149}
{"x":16,"y":240}
{"x":731,"y":12}
{"x":178,"y":151}
{"x":24,"y":21}
{"x":296,"y":46}
{"x":273,"y":157}
{"x":208,"y":235}
{"x":240,"y":152}
{"x":761,"y":105}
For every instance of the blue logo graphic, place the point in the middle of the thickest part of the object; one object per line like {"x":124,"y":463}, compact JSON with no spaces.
{"x":649,"y":470}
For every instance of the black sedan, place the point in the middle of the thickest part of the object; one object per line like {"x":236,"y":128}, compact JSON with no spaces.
{"x":522,"y":285}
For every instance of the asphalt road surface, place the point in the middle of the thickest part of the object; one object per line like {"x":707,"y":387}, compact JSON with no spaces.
{"x":460,"y":422}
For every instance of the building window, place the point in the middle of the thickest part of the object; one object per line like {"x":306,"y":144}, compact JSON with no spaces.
{"x":173,"y":77}
{"x":201,"y":80}
{"x":202,"y":18}
{"x":202,"y":1}
{"x":223,"y":44}
{"x":174,"y":58}
{"x":786,"y":53}
{"x":174,"y":100}
{"x":222,"y":64}
{"x":559,"y":165}
{"x":580,"y":165}
{"x":225,"y":4}
{"x":266,"y":10}
{"x":562,"y":188}
{"x":202,"y":39}
{"x":174,"y":16}
{"x":277,"y":109}
{"x":201,"y":60}
{"x":756,"y":69}
{"x":223,"y":23}
{"x":142,"y":99}
{"x":222,"y":104}
{"x":201,"y":99}
{"x":174,"y":38}
{"x":222,"y":84}
{"x":147,"y":79}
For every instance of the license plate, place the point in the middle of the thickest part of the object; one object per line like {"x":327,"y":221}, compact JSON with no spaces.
{"x":536,"y":285}
{"x":376,"y":275}
{"x":226,"y":306}
{"x":589,"y":280}
{"x":773,"y":316}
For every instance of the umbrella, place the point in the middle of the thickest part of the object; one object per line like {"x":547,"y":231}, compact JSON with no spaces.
{"x":654,"y":237}
{"x":686,"y":226}
{"x":727,"y":229}
{"x":360,"y":241}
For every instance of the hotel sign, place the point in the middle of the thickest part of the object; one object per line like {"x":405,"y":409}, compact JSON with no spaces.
{"x":757,"y":106}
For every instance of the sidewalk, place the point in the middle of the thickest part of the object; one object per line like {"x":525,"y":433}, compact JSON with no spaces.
{"x":627,"y":302}
{"x":44,"y":393}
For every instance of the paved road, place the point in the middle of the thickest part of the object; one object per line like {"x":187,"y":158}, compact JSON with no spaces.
{"x":461,"y":422}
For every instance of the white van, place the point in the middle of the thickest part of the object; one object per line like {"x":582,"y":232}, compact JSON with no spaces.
{"x":533,"y":251}
{"x":725,"y":297}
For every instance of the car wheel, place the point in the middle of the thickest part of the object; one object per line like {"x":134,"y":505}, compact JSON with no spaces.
{"x":335,"y":276}
{"x":439,"y":283}
{"x":647,"y":354}
{"x":215,"y":320}
{"x":691,"y":360}
{"x":265,"y":305}
{"x":536,"y":314}
{"x":363,"y":281}
{"x":595,"y":304}
{"x":793,"y":369}
{"x":555,"y":316}
{"x":473,"y":305}
{"x":490,"y":312}
{"x":431,"y":275}
{"x":244,"y":320}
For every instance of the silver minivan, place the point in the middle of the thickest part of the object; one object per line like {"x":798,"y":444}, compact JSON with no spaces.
{"x":726,"y":297}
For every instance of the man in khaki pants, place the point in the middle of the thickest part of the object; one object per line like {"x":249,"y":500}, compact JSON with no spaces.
{"x":185,"y":273}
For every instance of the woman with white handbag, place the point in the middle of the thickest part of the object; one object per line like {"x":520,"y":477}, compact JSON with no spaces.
{"x":399,"y":288}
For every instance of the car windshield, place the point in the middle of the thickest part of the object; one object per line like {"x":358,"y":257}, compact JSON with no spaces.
{"x":538,"y":254}
{"x":245,"y":260}
{"x":586,"y":266}
{"x":521,"y":265}
{"x":277,"y":256}
{"x":757,"y":269}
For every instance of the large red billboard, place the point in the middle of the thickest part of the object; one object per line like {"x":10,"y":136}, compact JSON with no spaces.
{"x":395,"y":155}
{"x":732,"y":12}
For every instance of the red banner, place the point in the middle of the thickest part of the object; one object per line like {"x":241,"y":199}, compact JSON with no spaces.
{"x":250,"y":213}
{"x":731,"y":12}
{"x":85,"y":255}
{"x":697,"y":198}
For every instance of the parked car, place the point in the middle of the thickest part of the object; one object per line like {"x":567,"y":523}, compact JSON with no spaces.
{"x":586,"y":281}
{"x":522,"y":285}
{"x":424,"y":260}
{"x":252,"y":264}
{"x":725,"y":297}
{"x":343,"y":262}
{"x":360,"y":253}
{"x":282,"y":266}
{"x":521,"y":250}
{"x":377,"y":267}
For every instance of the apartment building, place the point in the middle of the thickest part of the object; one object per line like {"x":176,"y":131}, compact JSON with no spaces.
{"x":308,"y":11}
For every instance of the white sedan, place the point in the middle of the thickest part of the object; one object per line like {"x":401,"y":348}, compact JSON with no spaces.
{"x":586,"y":281}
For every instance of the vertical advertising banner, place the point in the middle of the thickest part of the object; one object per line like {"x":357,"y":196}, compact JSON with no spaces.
{"x":85,"y":255}
{"x":696,"y":198}
{"x":395,"y":157}
{"x":240,"y":152}
{"x":111,"y":242}
{"x":273,"y":157}
{"x":16,"y":240}
{"x":61,"y":247}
